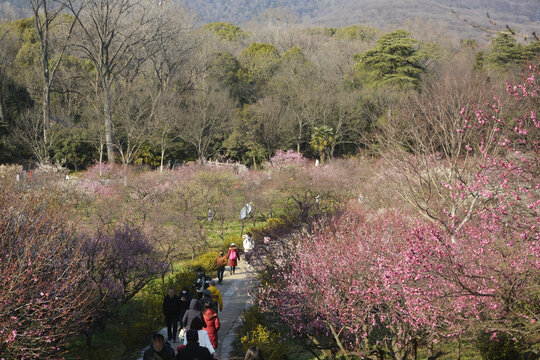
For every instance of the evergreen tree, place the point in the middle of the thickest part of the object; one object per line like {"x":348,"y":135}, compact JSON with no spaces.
{"x":505,"y":50}
{"x":395,"y":61}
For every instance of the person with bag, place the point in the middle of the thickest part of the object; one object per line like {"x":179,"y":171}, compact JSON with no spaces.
{"x":233,"y":257}
{"x":221,"y":262}
{"x":202,"y":283}
{"x":193,"y":312}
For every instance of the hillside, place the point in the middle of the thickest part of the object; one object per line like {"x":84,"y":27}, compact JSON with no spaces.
{"x":523,"y":15}
{"x":520,"y":14}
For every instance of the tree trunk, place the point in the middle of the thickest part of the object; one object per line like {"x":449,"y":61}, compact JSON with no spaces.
{"x":46,"y":107}
{"x":299,"y":137}
{"x":46,"y":86}
{"x":162,"y":156}
{"x":2,"y":116}
{"x":108,"y":125}
{"x":100,"y":157}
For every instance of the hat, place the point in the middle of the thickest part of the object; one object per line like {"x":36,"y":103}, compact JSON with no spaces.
{"x":233,"y":244}
{"x":192,"y":335}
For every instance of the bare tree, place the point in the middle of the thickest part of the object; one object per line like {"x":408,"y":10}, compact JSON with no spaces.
{"x":48,"y":18}
{"x":423,"y":150}
{"x":206,"y":117}
{"x":170,"y":71}
{"x":29,"y":134}
{"x":3,"y":35}
{"x":131,"y":117}
{"x":113,"y":35}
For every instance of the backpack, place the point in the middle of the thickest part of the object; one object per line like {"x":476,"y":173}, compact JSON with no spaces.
{"x":232,"y":256}
{"x":202,"y":283}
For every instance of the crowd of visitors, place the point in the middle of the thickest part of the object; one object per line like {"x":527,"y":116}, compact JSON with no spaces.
{"x":198,"y":316}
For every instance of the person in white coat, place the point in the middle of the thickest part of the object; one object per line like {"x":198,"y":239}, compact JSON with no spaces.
{"x":204,"y":339}
{"x":248,"y":244}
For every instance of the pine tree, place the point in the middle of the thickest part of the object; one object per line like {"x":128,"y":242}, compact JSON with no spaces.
{"x":394,"y":61}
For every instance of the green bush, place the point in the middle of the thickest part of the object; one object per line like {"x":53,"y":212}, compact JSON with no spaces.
{"x":502,"y":347}
{"x":255,"y":333}
{"x":267,"y":340}
{"x":231,"y":239}
{"x":207,"y":261}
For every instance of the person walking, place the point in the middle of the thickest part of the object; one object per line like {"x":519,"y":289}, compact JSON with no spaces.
{"x":212,"y":324}
{"x":216,"y":295}
{"x":254,"y":353}
{"x":202,"y":283}
{"x":193,"y":351}
{"x":204,"y":339}
{"x":233,"y":257}
{"x":249,"y":245}
{"x":184,"y":300}
{"x":193,"y":312}
{"x":171,"y":311}
{"x":159,"y":349}
{"x":207,"y":301}
{"x":221,"y":262}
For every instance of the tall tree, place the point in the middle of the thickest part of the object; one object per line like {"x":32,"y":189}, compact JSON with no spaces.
{"x":206,"y":119}
{"x":48,"y":15}
{"x":113,"y":35}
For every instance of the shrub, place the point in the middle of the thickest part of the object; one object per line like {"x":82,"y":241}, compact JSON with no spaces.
{"x":257,"y":334}
{"x":43,"y":280}
{"x":267,"y":340}
{"x":231,"y":239}
{"x":207,"y":261}
{"x":287,"y":158}
{"x":498,"y":346}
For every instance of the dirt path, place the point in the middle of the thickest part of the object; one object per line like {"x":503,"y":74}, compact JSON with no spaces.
{"x":234,"y":291}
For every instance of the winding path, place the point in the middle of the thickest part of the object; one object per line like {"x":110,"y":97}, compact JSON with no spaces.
{"x":235,"y":293}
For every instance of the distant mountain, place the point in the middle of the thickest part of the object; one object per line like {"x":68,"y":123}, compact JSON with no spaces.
{"x":523,"y":15}
{"x":519,"y":14}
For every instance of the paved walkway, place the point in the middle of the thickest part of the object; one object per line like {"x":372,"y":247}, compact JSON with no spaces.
{"x":234,"y":291}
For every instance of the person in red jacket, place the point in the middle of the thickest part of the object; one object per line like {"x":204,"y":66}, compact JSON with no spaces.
{"x":233,"y":255}
{"x":212,"y":325}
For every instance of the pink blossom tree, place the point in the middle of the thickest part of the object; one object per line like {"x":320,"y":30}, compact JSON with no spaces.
{"x":44,"y":299}
{"x":378,"y":285}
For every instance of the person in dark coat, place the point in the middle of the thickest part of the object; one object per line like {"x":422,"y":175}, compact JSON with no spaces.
{"x":207,"y":302}
{"x":184,"y":299}
{"x":171,"y":310}
{"x":193,"y":312}
{"x":192,"y":351}
{"x":159,"y":349}
{"x":202,"y":283}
